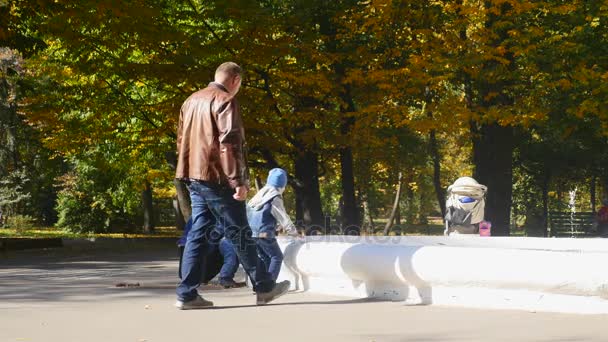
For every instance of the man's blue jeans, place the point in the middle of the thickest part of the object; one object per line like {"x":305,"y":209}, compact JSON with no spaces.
{"x":270,"y":253}
{"x":215,"y":213}
{"x":231,"y":262}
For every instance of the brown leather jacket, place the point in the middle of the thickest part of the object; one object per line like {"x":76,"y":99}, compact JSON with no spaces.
{"x":211,"y":138}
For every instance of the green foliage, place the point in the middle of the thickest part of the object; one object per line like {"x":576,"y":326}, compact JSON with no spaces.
{"x":12,"y":191}
{"x":20,"y":222}
{"x":27,"y":169}
{"x":93,"y":198}
{"x":106,"y":80}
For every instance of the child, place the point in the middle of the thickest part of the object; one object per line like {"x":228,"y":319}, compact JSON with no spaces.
{"x":229,"y":260}
{"x":265,"y":211}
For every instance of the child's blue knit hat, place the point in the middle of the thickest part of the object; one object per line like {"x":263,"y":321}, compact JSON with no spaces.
{"x":277,"y":178}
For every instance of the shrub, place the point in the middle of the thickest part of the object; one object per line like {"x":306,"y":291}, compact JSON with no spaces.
{"x":92,"y":200}
{"x":20,"y":222}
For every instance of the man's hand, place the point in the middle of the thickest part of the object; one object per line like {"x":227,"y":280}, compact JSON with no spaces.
{"x":241,"y":193}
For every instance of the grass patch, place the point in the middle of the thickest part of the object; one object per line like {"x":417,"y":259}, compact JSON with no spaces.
{"x":52,"y":232}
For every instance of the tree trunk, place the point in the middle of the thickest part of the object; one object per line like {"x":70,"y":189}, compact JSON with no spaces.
{"x":398,"y":214}
{"x":560,"y":197}
{"x":258,"y":183}
{"x":340,"y":214}
{"x":435,"y":156}
{"x":493,"y":144}
{"x":422,"y":212}
{"x":493,"y":159}
{"x":368,"y":216}
{"x":8,"y":109}
{"x":545,"y":190}
{"x":389,"y":224}
{"x":308,"y":196}
{"x":592,"y":190}
{"x":305,"y":182}
{"x":146,"y":196}
{"x":605,"y":187}
{"x":410,"y":215}
{"x":299,"y":208}
{"x":11,"y":131}
{"x":350,"y":216}
{"x":439,"y":190}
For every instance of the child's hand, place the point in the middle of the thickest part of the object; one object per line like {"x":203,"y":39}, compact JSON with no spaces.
{"x":294,"y":234}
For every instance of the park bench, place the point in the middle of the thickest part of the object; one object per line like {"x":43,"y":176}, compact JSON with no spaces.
{"x":563,"y":224}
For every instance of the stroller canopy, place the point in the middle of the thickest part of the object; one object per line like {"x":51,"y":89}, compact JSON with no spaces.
{"x":465,"y":202}
{"x":469,"y":187}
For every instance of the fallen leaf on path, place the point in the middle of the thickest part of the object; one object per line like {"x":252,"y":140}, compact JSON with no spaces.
{"x":127,"y":285}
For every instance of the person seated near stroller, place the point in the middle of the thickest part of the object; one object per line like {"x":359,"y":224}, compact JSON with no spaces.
{"x":266,"y":211}
{"x":601,"y":219}
{"x":230,"y":260}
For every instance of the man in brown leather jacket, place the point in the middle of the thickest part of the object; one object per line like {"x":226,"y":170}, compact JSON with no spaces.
{"x":210,"y":139}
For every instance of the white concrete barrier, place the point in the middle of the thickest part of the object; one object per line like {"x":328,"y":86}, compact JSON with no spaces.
{"x":558,"y":275}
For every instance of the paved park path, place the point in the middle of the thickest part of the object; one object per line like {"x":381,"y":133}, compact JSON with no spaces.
{"x":70,"y":295}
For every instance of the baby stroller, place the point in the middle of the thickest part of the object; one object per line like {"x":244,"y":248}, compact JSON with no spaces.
{"x":465,"y":204}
